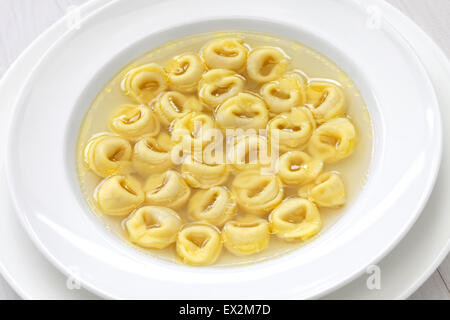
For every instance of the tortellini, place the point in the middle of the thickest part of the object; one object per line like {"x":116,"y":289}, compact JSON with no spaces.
{"x":266,"y":64}
{"x":108,"y":155}
{"x":153,"y":227}
{"x":226,"y":54}
{"x":297,"y":167}
{"x":326,"y":100}
{"x":199,"y":244}
{"x":192,"y":126}
{"x":295,"y":219}
{"x":144,"y":83}
{"x":202,"y":175}
{"x":132,"y":121}
{"x":152,"y":155}
{"x":257,"y":194}
{"x":334,"y":140}
{"x":119,"y":195}
{"x":327,"y":191}
{"x":246,"y":236}
{"x":283,"y":94}
{"x":218,"y":85}
{"x":167,"y":189}
{"x":215,"y":205}
{"x":250,"y":152}
{"x":293,"y":129}
{"x":174,"y":105}
{"x":245,"y":111}
{"x":184,"y":72}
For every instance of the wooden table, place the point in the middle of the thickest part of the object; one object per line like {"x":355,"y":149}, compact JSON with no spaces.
{"x":21,"y":21}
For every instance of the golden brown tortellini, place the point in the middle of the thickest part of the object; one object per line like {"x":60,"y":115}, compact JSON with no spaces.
{"x":334,"y":140}
{"x":152,"y":154}
{"x":225,"y":54}
{"x":153,"y":227}
{"x":257,"y":194}
{"x":199,"y":244}
{"x":245,"y":111}
{"x":119,"y":195}
{"x":132,"y":121}
{"x":297,"y":167}
{"x":246,"y":236}
{"x":284,"y":94}
{"x":250,"y":152}
{"x":218,"y":85}
{"x":327,"y":191}
{"x":266,"y":64}
{"x":215,"y":205}
{"x":203,"y":176}
{"x":295,"y":218}
{"x":326,"y":101}
{"x":145,"y":82}
{"x":108,"y":155}
{"x":173,"y":105}
{"x":293,"y":129}
{"x":185,"y":71}
{"x":167,"y":189}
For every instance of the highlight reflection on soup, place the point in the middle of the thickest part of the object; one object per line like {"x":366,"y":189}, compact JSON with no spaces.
{"x":224,"y":148}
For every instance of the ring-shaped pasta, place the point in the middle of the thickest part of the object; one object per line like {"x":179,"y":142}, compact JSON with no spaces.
{"x":246,"y":236}
{"x":153,"y":227}
{"x":326,"y":100}
{"x":152,"y":155}
{"x":283,"y":94}
{"x":199,"y":244}
{"x":294,"y":219}
{"x":119,"y":195}
{"x":294,"y":129}
{"x":225,"y":54}
{"x":218,"y":85}
{"x":215,"y":206}
{"x":132,"y":121}
{"x":250,"y":152}
{"x":185,"y":71}
{"x":167,"y":189}
{"x":192,"y":126}
{"x":173,"y":105}
{"x":327,"y":191}
{"x":145,"y":82}
{"x":266,"y":64}
{"x":108,"y":155}
{"x":204,"y":176}
{"x":245,"y":111}
{"x":333,"y":141}
{"x":257,"y":194}
{"x":297,"y":167}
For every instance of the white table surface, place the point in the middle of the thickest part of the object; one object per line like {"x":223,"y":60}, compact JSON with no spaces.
{"x":21,"y":21}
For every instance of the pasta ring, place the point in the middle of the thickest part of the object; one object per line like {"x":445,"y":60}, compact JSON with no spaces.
{"x":257,"y":194}
{"x":202,"y":175}
{"x":108,"y":155}
{"x":334,"y":140}
{"x":283,"y":94}
{"x":225,"y":54}
{"x":218,"y":85}
{"x":153,"y":227}
{"x":244,"y":110}
{"x":326,"y":100}
{"x":266,"y":64}
{"x":192,"y":126}
{"x":199,"y":244}
{"x":132,"y":121}
{"x":173,"y":105}
{"x":327,"y":191}
{"x":246,"y":236}
{"x":152,"y":155}
{"x":119,"y":195}
{"x":295,"y":218}
{"x":145,"y":82}
{"x":215,"y":206}
{"x":297,"y":167}
{"x":185,"y":71}
{"x":167,"y":189}
{"x":250,"y":152}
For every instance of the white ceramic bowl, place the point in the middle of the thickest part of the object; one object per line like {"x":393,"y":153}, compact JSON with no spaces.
{"x":41,"y":148}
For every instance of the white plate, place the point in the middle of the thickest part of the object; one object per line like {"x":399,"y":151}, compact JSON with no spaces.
{"x":60,"y":236}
